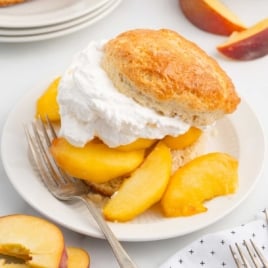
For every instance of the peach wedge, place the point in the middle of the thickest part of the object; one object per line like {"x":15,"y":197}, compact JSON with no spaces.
{"x":47,"y":105}
{"x":136,"y":145}
{"x":143,"y":188}
{"x":184,"y":140}
{"x":201,"y":179}
{"x":36,"y":241}
{"x":247,"y":45}
{"x":211,"y":16}
{"x":95,"y":162}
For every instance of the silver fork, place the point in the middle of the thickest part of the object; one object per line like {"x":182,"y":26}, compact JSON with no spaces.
{"x":252,"y":256}
{"x":248,"y":255}
{"x":64,"y":187}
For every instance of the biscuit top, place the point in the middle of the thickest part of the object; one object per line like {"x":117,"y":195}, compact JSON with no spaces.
{"x":161,"y":69}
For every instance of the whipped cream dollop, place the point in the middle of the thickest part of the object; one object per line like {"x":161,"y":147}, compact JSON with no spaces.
{"x":91,"y":106}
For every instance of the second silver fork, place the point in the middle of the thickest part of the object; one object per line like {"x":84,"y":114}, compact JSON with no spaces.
{"x":64,"y":187}
{"x":248,"y":254}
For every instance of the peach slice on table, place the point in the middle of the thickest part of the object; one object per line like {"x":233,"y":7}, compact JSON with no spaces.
{"x":201,"y":179}
{"x":36,"y":241}
{"x":77,"y":258}
{"x":211,"y":16}
{"x":249,"y":44}
{"x":184,"y":140}
{"x":143,"y":188}
{"x":47,"y":105}
{"x":95,"y":161}
{"x":4,"y":264}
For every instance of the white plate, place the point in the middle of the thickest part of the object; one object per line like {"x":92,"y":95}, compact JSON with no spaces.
{"x":60,"y":30}
{"x":18,"y":32}
{"x":38,"y":13}
{"x":239,"y":134}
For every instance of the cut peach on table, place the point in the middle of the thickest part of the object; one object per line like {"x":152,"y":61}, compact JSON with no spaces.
{"x":247,"y":45}
{"x":4,"y":264}
{"x":77,"y":258}
{"x":211,"y":16}
{"x":95,"y":161}
{"x":36,"y":241}
{"x":184,"y":140}
{"x":201,"y":179}
{"x":143,"y":188}
{"x":47,"y":105}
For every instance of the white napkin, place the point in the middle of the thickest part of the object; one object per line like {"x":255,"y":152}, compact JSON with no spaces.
{"x":212,"y":250}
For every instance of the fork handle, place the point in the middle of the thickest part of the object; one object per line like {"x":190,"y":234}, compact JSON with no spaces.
{"x":121,"y":255}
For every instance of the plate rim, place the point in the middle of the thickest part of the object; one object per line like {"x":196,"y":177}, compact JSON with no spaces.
{"x":135,"y":236}
{"x":58,"y":33}
{"x":65,"y":16}
{"x":57,"y":27}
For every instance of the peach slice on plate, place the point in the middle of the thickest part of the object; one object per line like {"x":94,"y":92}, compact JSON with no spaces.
{"x":143,"y":188}
{"x":36,"y":241}
{"x":211,"y":16}
{"x":201,"y":179}
{"x":47,"y":105}
{"x":184,"y":140}
{"x":249,"y":44}
{"x":136,"y":145}
{"x":95,"y":161}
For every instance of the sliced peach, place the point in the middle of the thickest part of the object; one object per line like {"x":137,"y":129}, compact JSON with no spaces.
{"x":143,"y":188}
{"x":95,"y":162}
{"x":201,"y":179}
{"x":137,"y":145}
{"x":36,"y":241}
{"x":211,"y":16}
{"x":15,"y":250}
{"x":249,"y":44}
{"x":77,"y":258}
{"x":4,"y":264}
{"x":184,"y":140}
{"x":47,"y":103}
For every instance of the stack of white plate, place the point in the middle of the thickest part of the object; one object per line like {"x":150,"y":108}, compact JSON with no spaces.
{"x":44,"y":19}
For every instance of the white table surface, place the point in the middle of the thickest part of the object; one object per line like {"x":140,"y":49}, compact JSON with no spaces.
{"x":23,"y":65}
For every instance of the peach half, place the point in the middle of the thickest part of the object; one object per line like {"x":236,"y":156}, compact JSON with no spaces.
{"x":211,"y":16}
{"x":249,"y":44}
{"x":34,"y":240}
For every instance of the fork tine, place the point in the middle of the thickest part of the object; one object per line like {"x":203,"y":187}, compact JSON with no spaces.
{"x":252,"y":253}
{"x":44,"y":131}
{"x":64,"y":177}
{"x":45,"y":155}
{"x":47,"y":128}
{"x":237,"y":260}
{"x":53,"y":132}
{"x":259,"y":253}
{"x":242,"y":256}
{"x":47,"y":180}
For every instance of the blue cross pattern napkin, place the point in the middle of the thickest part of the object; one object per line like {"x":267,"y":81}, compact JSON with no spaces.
{"x":212,"y":250}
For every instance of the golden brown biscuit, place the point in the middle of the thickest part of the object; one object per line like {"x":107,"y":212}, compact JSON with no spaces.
{"x":10,"y":2}
{"x":162,"y":70}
